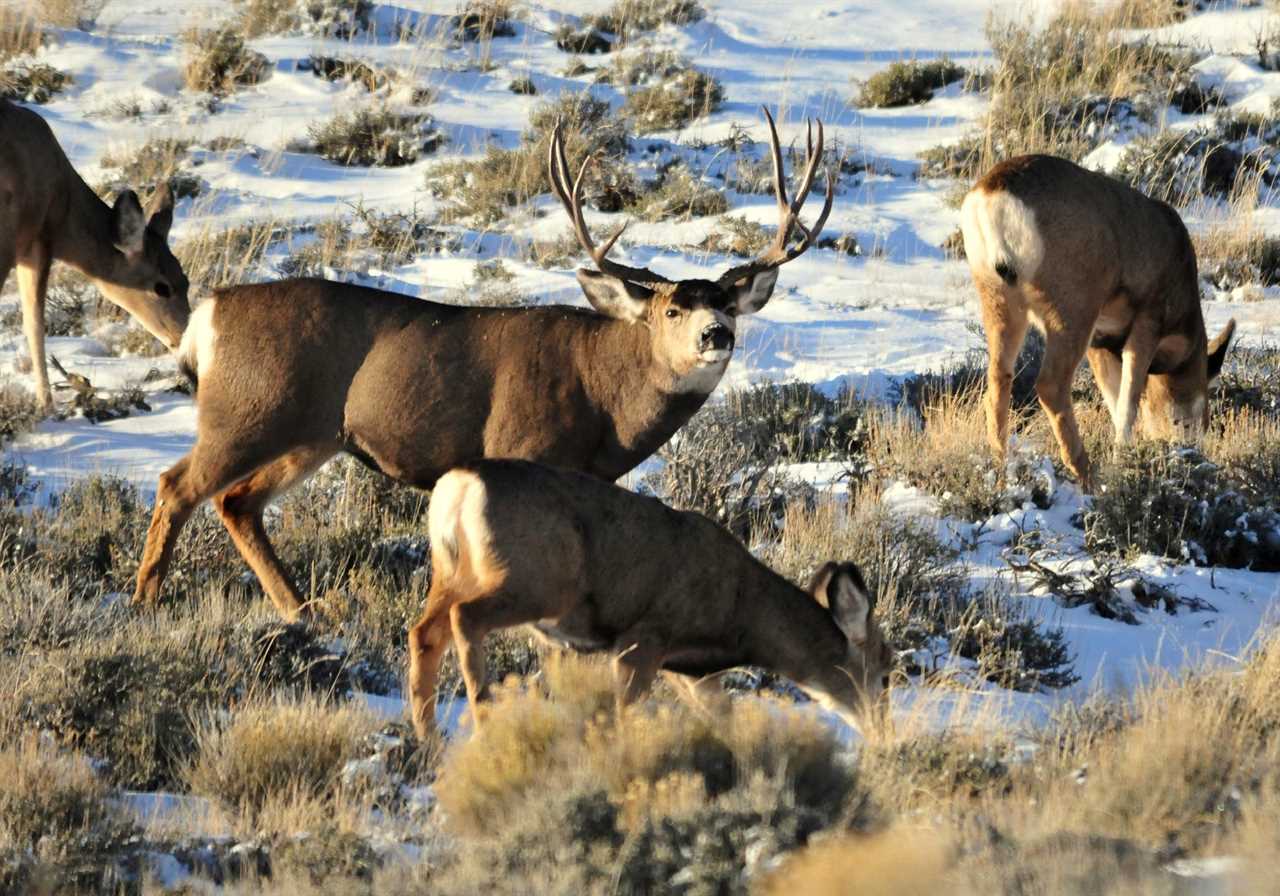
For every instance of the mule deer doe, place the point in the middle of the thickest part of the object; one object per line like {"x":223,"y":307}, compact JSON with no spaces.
{"x":1103,"y":270}
{"x":594,"y":567}
{"x":48,"y":212}
{"x":291,"y":373}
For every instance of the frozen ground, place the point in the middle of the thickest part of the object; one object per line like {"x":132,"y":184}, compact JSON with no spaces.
{"x":900,"y":308}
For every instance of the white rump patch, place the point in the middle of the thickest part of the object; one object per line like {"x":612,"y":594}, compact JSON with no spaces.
{"x":199,"y":339}
{"x":454,"y":516}
{"x":1000,"y":230}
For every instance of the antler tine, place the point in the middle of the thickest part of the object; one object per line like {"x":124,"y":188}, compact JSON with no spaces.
{"x":777,"y":253}
{"x":569,"y":192}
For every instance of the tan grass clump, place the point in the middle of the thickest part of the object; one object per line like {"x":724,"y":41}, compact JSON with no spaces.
{"x":276,"y":750}
{"x":219,"y":62}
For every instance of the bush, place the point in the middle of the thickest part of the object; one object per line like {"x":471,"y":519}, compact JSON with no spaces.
{"x":275,"y":751}
{"x":908,"y":83}
{"x":157,"y":161}
{"x":18,"y":411}
{"x":630,"y":18}
{"x":370,"y":136}
{"x":674,"y":103}
{"x":680,"y":194}
{"x":219,"y":62}
{"x":483,"y":20}
{"x":34,"y":82}
{"x":735,"y":235}
{"x":1179,"y":167}
{"x":482,"y":191}
{"x":342,"y":19}
{"x":356,"y":71}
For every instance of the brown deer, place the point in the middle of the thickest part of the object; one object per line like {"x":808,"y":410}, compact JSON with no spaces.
{"x":594,"y":567}
{"x":48,"y":212}
{"x":1102,"y":270}
{"x":291,"y":373}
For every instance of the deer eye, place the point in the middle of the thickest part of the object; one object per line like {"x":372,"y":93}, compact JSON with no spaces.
{"x":673,"y":313}
{"x":163,"y":290}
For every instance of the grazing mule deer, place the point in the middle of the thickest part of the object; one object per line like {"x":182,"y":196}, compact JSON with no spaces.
{"x":1100,"y":269}
{"x":48,"y":212}
{"x":291,"y":373}
{"x":594,"y":567}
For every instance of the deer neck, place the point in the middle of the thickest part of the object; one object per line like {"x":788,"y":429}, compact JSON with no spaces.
{"x":785,"y":629}
{"x":635,"y":389}
{"x":85,"y":239}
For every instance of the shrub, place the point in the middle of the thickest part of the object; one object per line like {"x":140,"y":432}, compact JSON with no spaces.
{"x":482,"y":191}
{"x":370,"y":136}
{"x":581,"y":40}
{"x":342,"y":19}
{"x":1179,"y":167}
{"x":908,"y":83}
{"x":674,"y":103}
{"x":679,"y":193}
{"x":157,"y":161}
{"x":629,"y":18}
{"x":1176,"y":503}
{"x":356,"y":71}
{"x":219,"y":62}
{"x":523,"y":87}
{"x":735,"y":235}
{"x":274,"y":751}
{"x":34,"y":82}
{"x":483,"y":20}
{"x":18,"y":411}
{"x":644,"y":66}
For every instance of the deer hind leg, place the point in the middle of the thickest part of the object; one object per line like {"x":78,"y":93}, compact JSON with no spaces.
{"x":182,"y":488}
{"x":241,"y":507}
{"x":471,"y":621}
{"x":428,"y":640}
{"x":1004,"y":318}
{"x":1064,"y":349}
{"x":33,"y":282}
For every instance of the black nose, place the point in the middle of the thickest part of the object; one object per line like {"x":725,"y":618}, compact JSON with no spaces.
{"x":716,"y":336}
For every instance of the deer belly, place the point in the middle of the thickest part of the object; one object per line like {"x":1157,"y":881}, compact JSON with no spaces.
{"x":583,"y":639}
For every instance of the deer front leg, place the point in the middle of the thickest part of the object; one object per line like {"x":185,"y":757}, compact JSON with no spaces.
{"x":635,"y":668}
{"x":1139,"y":350}
{"x":33,"y":282}
{"x":1064,"y":349}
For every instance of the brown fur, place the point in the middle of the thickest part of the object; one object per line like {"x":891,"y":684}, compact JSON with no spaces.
{"x":595,"y":567}
{"x":1115,"y":279}
{"x":48,"y":212}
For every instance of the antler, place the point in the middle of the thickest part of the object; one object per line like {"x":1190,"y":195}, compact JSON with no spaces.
{"x":789,"y":212}
{"x":571,"y":199}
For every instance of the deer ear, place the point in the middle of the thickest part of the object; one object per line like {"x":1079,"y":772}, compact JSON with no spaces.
{"x":614,"y":296}
{"x":161,"y":211}
{"x":840,"y":587}
{"x":1218,"y":349}
{"x":128,"y":223}
{"x":749,"y":295}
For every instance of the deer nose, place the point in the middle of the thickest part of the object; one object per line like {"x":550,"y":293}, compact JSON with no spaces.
{"x":716,"y":336}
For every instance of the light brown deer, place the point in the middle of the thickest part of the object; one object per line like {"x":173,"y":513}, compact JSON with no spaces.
{"x":1102,"y":270}
{"x":594,"y":567}
{"x":291,"y":373}
{"x":47,"y":213}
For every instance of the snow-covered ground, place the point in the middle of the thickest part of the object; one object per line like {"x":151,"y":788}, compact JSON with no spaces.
{"x":900,"y":308}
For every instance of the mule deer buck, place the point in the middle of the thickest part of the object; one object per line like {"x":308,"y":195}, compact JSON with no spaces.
{"x":291,"y":373}
{"x":1102,"y":270}
{"x":48,"y":212}
{"x":594,"y":567}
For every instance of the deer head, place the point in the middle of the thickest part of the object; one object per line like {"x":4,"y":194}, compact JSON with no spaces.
{"x":692,"y":323}
{"x":143,"y":277}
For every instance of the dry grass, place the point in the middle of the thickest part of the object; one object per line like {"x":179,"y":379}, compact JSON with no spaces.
{"x":674,"y":102}
{"x":32,"y":82}
{"x":274,"y":752}
{"x":145,"y":167}
{"x":1061,"y":88}
{"x":21,"y":32}
{"x":224,"y":257}
{"x":627,"y":19}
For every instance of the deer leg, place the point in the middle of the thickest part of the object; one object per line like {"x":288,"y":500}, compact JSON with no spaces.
{"x":471,"y":621}
{"x":428,"y":640}
{"x":635,"y":668}
{"x":1136,"y":356}
{"x":1064,"y":349}
{"x":33,"y":281}
{"x":182,"y":488}
{"x":1106,"y":373}
{"x":703,"y":694}
{"x":1004,"y":319}
{"x":241,"y":507}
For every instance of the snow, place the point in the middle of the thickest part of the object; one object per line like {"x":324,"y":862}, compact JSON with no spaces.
{"x":863,"y":322}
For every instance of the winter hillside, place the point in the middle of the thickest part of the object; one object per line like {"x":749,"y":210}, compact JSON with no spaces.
{"x":1082,"y":700}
